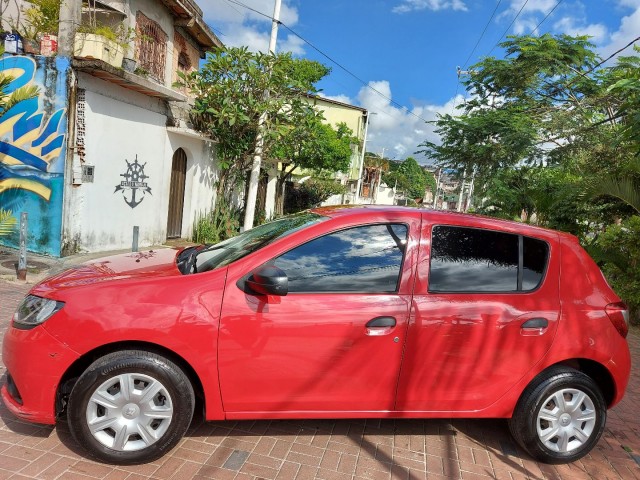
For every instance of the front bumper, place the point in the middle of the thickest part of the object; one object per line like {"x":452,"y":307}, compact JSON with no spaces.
{"x":36,"y":363}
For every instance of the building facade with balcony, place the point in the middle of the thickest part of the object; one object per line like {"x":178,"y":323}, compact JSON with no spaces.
{"x":106,"y":145}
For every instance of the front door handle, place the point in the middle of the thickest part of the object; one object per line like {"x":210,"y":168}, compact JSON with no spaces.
{"x":536,"y":323}
{"x":380,"y":326}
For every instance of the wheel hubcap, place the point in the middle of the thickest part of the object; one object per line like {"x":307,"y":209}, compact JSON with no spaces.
{"x":566,"y":420}
{"x":129,"y":412}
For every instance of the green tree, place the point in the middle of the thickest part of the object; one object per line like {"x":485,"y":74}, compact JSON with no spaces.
{"x":315,"y":146}
{"x":554,"y":136}
{"x":234,"y":89}
{"x":410,"y":177}
{"x":522,"y":106}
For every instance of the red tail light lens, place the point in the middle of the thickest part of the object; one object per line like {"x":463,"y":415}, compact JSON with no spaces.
{"x":619,"y":315}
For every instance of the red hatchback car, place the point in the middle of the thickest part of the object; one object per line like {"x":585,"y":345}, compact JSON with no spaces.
{"x":331,"y":313}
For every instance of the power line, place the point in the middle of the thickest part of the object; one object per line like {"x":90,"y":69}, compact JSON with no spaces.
{"x":614,"y":54}
{"x":547,"y":16}
{"x":482,"y":34}
{"x":335,"y":62}
{"x":252,"y":9}
{"x":509,"y":27}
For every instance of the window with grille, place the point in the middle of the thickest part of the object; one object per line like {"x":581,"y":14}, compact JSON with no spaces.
{"x":151,"y":47}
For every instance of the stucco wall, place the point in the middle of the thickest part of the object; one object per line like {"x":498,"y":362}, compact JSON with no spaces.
{"x":199,"y":189}
{"x":126,"y":140}
{"x":32,"y":150}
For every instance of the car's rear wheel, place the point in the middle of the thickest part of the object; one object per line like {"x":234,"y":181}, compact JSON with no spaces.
{"x":130,"y":407}
{"x":560,"y":416}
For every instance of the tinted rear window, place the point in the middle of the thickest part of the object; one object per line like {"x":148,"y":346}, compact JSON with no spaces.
{"x":477,"y":260}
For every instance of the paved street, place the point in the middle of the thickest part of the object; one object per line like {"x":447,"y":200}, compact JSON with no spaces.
{"x":329,"y":450}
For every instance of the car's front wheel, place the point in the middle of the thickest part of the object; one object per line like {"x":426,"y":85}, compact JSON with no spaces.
{"x":560,"y":416}
{"x":130,"y":407}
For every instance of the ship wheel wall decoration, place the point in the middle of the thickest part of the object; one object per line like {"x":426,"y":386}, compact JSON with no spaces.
{"x":133,"y":187}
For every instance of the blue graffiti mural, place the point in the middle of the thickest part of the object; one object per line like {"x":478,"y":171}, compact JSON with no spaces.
{"x":32,"y":149}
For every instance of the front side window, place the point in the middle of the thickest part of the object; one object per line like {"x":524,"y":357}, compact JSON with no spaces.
{"x":476,"y":260}
{"x":365,"y":259}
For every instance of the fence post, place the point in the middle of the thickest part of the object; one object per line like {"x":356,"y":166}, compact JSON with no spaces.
{"x":136,"y":232}
{"x":22,"y":259}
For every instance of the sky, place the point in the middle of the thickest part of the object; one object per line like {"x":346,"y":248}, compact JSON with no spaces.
{"x":398,"y":58}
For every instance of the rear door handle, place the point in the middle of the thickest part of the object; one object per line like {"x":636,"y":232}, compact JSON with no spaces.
{"x":380,"y":326}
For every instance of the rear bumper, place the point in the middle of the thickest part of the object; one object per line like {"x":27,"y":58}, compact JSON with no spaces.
{"x":620,"y":368}
{"x":36,"y":362}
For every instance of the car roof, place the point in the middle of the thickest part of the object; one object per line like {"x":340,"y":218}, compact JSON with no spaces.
{"x":438,"y":216}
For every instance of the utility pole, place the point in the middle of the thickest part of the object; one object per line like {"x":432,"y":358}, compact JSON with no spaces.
{"x":250,"y":208}
{"x":364,"y":149}
{"x":435,"y":194}
{"x":464,"y":180}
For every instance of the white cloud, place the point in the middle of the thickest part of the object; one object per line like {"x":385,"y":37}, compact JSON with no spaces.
{"x":570,"y":20}
{"x":627,"y":31}
{"x":228,"y":12}
{"x":629,"y":3}
{"x":240,"y":26}
{"x":398,"y":131}
{"x":531,"y":14}
{"x":435,"y":5}
{"x":571,"y":26}
{"x":337,"y":98}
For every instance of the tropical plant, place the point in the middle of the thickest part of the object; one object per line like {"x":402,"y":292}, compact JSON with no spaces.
{"x":217,"y":225}
{"x":41,"y":17}
{"x":619,"y":251}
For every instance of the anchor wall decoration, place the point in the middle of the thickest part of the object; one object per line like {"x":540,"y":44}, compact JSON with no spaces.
{"x":134,"y":181}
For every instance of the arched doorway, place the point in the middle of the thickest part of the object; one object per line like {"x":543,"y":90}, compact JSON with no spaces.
{"x":176,"y":194}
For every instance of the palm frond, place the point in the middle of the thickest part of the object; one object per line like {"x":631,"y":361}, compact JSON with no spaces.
{"x":7,"y":222}
{"x":19,"y":95}
{"x":625,"y":189}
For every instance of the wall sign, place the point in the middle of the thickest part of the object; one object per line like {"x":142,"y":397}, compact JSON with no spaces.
{"x":133,"y":187}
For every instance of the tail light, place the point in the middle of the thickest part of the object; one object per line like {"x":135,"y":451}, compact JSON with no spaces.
{"x":619,"y":315}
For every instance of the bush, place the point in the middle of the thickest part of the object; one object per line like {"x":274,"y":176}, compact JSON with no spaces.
{"x":314,"y":191}
{"x":621,"y":266}
{"x":217,"y":225}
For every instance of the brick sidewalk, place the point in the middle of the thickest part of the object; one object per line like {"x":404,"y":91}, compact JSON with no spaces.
{"x":328,"y":450}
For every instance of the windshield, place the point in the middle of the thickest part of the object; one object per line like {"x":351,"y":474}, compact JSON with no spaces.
{"x":203,"y":259}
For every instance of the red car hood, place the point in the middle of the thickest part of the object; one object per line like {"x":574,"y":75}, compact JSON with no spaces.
{"x":151,"y":263}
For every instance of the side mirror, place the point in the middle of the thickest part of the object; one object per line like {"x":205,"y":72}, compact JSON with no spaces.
{"x":268,"y":280}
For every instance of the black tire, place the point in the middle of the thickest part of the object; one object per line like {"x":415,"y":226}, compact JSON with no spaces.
{"x":133,"y":423}
{"x":574,"y":433}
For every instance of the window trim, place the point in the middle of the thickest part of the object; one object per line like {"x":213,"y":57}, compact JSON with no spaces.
{"x":520,"y":273}
{"x":354,"y":292}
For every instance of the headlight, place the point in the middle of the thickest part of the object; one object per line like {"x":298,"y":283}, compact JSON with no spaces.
{"x":33,"y":311}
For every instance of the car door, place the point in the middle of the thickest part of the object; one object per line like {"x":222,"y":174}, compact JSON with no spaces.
{"x":486,"y":307}
{"x":334,"y":342}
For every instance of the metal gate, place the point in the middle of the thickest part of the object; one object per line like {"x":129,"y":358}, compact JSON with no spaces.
{"x":176,"y":194}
